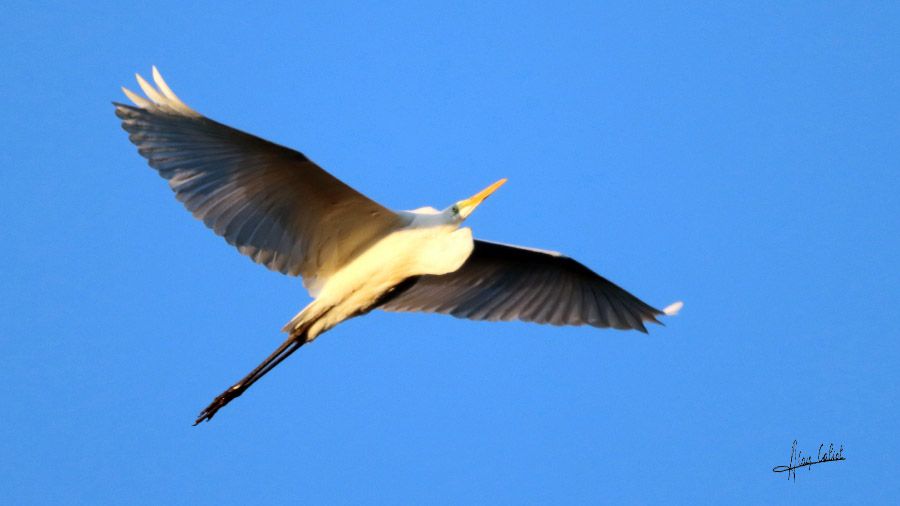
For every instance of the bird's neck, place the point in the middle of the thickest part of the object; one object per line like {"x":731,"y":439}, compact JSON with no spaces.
{"x":429,"y":217}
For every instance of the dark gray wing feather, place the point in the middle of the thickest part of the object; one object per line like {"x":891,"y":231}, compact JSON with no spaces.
{"x":272,"y":203}
{"x":502,"y":282}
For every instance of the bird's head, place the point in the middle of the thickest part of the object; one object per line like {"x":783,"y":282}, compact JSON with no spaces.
{"x":462,"y":209}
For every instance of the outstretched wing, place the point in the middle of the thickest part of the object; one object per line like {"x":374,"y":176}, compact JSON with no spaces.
{"x":272,"y":203}
{"x":502,"y":282}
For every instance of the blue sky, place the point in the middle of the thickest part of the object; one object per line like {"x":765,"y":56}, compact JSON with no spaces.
{"x":740,"y":158}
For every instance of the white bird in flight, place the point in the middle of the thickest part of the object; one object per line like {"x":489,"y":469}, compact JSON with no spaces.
{"x":282,"y":210}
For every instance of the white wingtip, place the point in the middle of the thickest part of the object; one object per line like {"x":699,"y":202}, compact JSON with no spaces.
{"x":137,"y":99}
{"x":673,"y":309}
{"x":161,"y":99}
{"x":150,"y":91}
{"x":164,"y":88}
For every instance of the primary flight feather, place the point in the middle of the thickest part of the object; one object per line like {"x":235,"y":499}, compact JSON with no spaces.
{"x":282,"y":210}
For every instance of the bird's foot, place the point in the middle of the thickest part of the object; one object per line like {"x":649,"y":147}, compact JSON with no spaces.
{"x":219,"y":402}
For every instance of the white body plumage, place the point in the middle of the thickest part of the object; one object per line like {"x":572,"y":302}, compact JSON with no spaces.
{"x":432,"y":243}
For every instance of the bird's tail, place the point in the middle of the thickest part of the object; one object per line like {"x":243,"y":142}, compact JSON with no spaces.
{"x":298,"y":337}
{"x":296,"y":321}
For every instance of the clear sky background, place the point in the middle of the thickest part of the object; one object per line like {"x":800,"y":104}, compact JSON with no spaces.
{"x":742,"y":159}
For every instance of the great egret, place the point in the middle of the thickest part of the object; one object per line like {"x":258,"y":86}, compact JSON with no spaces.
{"x":283,"y":211}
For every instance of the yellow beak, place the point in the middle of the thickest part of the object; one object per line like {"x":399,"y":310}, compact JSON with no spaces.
{"x":467,"y":206}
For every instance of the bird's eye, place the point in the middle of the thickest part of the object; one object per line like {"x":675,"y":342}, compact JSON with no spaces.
{"x":455,"y":209}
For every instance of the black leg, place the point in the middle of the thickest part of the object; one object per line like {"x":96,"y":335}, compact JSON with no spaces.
{"x":284,"y":351}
